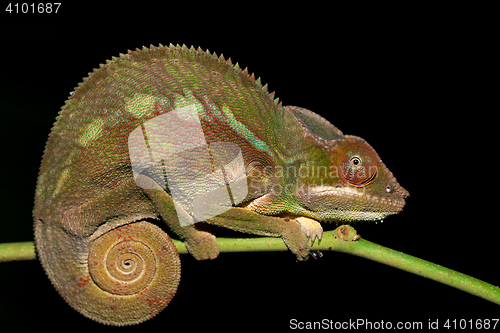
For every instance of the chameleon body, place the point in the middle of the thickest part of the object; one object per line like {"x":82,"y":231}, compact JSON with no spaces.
{"x":98,"y":221}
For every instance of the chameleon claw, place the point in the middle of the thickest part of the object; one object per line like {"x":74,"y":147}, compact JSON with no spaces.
{"x":316,"y":254}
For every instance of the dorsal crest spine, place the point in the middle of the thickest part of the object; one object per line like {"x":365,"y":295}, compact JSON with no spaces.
{"x":211,"y":60}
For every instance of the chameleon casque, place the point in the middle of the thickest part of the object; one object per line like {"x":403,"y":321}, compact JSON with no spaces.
{"x":97,"y":219}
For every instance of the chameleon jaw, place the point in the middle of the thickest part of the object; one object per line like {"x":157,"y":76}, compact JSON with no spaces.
{"x":346,"y":204}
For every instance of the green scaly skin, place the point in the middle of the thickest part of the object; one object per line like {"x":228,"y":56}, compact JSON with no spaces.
{"x":95,"y":227}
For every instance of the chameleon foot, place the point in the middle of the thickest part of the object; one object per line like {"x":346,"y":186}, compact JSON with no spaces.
{"x":311,"y":228}
{"x":202,"y":245}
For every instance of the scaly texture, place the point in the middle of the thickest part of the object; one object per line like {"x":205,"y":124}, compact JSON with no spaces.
{"x":299,"y":169}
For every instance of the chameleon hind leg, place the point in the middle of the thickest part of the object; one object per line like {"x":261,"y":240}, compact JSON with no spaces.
{"x":201,"y":244}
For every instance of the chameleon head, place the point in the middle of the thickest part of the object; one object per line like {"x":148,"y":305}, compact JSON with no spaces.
{"x":359,"y":187}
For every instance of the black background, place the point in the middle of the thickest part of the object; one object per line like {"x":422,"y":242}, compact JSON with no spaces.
{"x":414,"y":84}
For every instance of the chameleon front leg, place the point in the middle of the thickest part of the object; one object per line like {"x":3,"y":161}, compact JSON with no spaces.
{"x":244,"y":220}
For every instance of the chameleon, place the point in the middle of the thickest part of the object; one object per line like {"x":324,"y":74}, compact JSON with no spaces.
{"x":106,"y":198}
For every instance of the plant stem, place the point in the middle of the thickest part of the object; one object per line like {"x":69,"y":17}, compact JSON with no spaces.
{"x":17,"y":251}
{"x":343,"y":239}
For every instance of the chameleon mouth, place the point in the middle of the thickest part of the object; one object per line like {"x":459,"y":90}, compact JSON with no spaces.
{"x":346,"y":204}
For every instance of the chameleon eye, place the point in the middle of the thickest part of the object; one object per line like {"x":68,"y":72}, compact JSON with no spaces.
{"x":359,"y":165}
{"x":355,"y":161}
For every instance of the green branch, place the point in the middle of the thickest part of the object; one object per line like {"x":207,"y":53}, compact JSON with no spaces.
{"x":17,"y":251}
{"x":343,"y":239}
